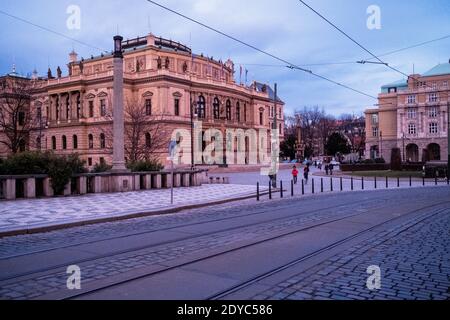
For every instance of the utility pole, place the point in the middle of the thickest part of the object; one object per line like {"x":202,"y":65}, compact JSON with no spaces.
{"x":192,"y":133}
{"x":274,"y":130}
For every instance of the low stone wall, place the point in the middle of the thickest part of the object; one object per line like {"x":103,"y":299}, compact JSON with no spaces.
{"x":32,"y":186}
{"x":364,"y":167}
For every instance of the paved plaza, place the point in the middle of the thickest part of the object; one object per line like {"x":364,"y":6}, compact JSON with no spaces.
{"x":36,"y":213}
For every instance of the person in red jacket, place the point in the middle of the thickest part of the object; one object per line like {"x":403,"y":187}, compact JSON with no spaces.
{"x":294,"y":174}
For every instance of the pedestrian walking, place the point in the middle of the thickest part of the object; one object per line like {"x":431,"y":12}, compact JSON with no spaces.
{"x":306,"y":173}
{"x":331,"y":167}
{"x":294,"y":174}
{"x":326,"y":169}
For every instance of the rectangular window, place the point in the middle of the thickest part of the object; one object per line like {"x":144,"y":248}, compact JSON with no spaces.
{"x":91,"y":109}
{"x":245,"y":112}
{"x":374,"y":119}
{"x":21,"y":118}
{"x":445,"y":84}
{"x":148,"y":107}
{"x":261,"y":118}
{"x":89,"y":161}
{"x":433,"y":97}
{"x":433,"y":127}
{"x":412,"y":113}
{"x":177,"y":107}
{"x":412,"y":129}
{"x":102,"y":160}
{"x":432,"y":112}
{"x":411,"y":98}
{"x":102,"y":107}
{"x":375,"y":132}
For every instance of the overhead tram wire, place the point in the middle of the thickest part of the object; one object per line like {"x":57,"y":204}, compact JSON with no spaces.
{"x":52,"y":31}
{"x":358,"y":44}
{"x":288,"y":64}
{"x":356,"y":62}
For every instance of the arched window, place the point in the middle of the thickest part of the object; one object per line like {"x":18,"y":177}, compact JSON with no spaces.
{"x":148,"y":140}
{"x":64,"y":142}
{"x":238,"y":111}
{"x":201,"y":107}
{"x":228,"y":109}
{"x":216,"y":108}
{"x":75,"y":141}
{"x":54,"y":143}
{"x":102,"y":141}
{"x":148,"y":107}
{"x":91,"y":141}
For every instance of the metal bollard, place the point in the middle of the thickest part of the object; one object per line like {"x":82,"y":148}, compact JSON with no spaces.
{"x":331,"y":184}
{"x":387,"y":183}
{"x":292,"y":188}
{"x":351,"y":183}
{"x":303,"y":187}
{"x":436,"y":180}
{"x":398,"y":182}
{"x":375,"y":182}
{"x":270,"y":190}
{"x":321,"y":184}
{"x":340,"y":181}
{"x":281,"y":188}
{"x":410,"y":181}
{"x":362,"y":183}
{"x":423,"y":181}
{"x":257,"y":191}
{"x":312,"y":186}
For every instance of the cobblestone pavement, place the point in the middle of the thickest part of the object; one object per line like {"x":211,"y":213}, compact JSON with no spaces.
{"x":414,"y":259}
{"x":28,"y":213}
{"x":105,"y":267}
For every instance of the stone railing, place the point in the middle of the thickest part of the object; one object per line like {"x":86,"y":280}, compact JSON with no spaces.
{"x":38,"y":185}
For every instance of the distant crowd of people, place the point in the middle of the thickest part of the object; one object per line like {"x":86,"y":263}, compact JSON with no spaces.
{"x":329,"y":167}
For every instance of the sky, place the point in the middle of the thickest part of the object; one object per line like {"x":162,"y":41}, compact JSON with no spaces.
{"x":285,"y":28}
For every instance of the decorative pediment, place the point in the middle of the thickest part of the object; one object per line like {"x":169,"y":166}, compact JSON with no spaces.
{"x":90,"y":96}
{"x":177,"y":94}
{"x":102,"y":94}
{"x":148,"y":94}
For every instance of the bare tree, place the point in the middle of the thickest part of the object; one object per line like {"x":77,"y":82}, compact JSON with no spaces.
{"x":145,"y":135}
{"x":16,"y":119}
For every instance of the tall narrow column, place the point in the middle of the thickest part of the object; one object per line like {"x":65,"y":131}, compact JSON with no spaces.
{"x":118,"y":115}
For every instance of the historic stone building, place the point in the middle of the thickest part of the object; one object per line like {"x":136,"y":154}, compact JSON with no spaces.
{"x":413,"y":116}
{"x":162,"y":78}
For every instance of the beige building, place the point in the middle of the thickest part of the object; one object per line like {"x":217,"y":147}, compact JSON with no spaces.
{"x":412,"y":115}
{"x":164,"y":80}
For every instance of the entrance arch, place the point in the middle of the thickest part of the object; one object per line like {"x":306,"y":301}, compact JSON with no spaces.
{"x":434,"y":151}
{"x":412,"y":152}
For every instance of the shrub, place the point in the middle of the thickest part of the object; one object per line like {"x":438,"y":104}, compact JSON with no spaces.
{"x":396,"y":159}
{"x":101,"y":167}
{"x":145,"y":166}
{"x":379,"y":160}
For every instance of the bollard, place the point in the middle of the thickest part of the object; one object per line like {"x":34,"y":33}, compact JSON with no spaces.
{"x":331,"y":184}
{"x":303,"y":187}
{"x":362,"y":183}
{"x":292,"y":188}
{"x":423,"y":181}
{"x":387,"y":183}
{"x":270,"y":190}
{"x":398,"y":182}
{"x":436,"y":180}
{"x":312,"y":185}
{"x":281,"y":188}
{"x":321,"y":184}
{"x":410,"y":181}
{"x":257,"y":191}
{"x":340,"y":181}
{"x":351,"y":183}
{"x":375,"y":182}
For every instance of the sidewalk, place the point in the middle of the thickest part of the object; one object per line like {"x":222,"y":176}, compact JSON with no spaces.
{"x":34,"y":215}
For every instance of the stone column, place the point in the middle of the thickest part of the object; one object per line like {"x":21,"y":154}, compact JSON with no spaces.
{"x":30,"y":188}
{"x":118,"y":115}
{"x":10,"y":189}
{"x":186,"y":177}
{"x":81,"y":185}
{"x":48,"y":190}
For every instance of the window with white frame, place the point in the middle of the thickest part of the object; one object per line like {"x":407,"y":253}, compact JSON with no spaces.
{"x":375,"y":119}
{"x":433,"y":127}
{"x":375,"y":132}
{"x":412,"y":129}
{"x":445,"y":84}
{"x":411,"y":98}
{"x":432,"y":112}
{"x":412,"y":113}
{"x":434,"y":85}
{"x":433,"y":97}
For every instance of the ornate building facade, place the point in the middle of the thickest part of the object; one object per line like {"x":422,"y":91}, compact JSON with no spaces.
{"x":172,"y":86}
{"x":413,"y":116}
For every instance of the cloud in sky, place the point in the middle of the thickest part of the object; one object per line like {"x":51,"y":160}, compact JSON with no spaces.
{"x":285,"y":28}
